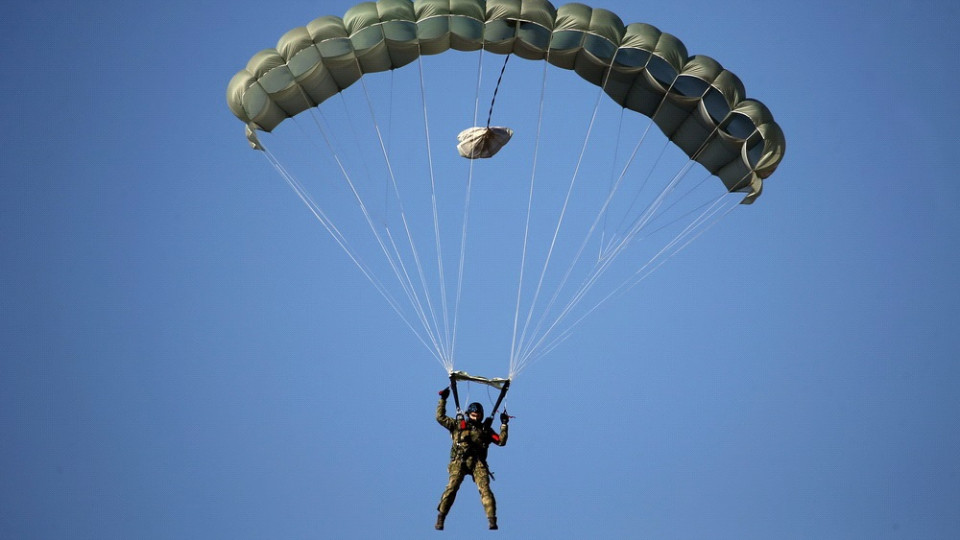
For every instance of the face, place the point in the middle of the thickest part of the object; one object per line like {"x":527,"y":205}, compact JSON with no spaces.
{"x":474,"y":416}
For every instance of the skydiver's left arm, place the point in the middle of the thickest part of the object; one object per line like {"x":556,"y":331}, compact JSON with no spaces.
{"x":501,"y":438}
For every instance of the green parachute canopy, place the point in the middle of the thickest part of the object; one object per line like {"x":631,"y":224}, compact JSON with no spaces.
{"x":698,"y":104}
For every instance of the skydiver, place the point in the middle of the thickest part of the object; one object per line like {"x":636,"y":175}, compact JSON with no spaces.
{"x":468,"y":455}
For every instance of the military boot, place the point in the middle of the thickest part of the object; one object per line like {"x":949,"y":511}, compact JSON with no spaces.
{"x":439,"y":525}
{"x":493,"y":523}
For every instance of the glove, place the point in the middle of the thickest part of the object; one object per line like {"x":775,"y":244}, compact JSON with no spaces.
{"x":504,"y":418}
{"x":445,"y":393}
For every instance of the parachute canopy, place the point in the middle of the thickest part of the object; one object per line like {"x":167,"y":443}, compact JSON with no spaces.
{"x":698,"y":104}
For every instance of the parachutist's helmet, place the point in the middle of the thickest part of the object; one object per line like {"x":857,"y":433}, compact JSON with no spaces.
{"x":475,"y":408}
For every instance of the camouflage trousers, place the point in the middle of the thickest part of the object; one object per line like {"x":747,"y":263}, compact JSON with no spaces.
{"x":481,"y":476}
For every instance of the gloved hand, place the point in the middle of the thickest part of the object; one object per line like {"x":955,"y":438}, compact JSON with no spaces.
{"x":504,"y":418}
{"x":445,"y":393}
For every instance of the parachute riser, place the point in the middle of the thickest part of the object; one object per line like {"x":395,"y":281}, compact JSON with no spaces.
{"x":503,"y":393}
{"x":456,"y":396}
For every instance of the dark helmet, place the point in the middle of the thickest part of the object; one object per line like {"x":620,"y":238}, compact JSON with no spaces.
{"x":475,"y":408}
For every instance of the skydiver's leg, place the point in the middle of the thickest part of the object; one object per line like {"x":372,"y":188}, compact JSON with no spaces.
{"x":482,"y":477}
{"x":457,"y":473}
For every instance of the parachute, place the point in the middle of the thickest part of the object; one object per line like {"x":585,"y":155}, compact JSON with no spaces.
{"x":393,"y":202}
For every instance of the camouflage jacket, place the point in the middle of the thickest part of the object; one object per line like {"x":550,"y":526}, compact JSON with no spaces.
{"x":470,"y":439}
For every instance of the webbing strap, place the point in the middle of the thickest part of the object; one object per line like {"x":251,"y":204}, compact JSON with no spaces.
{"x":503,"y":394}
{"x":456,"y":397}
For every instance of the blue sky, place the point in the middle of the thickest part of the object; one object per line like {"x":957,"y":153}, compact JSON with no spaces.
{"x":187,"y":354}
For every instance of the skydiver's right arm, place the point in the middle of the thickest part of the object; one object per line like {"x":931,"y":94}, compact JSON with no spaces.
{"x":442,"y":417}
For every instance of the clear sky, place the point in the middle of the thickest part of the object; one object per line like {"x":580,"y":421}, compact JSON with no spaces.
{"x":187,"y":354}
